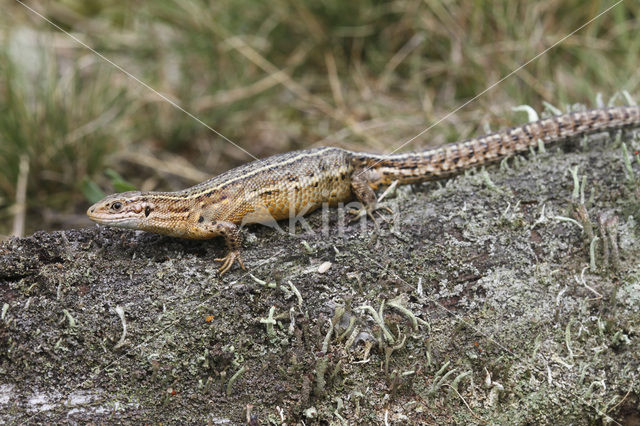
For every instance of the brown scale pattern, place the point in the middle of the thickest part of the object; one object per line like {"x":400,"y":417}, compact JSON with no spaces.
{"x":298,"y":182}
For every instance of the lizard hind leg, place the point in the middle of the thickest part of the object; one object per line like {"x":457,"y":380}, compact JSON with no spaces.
{"x":365,"y":194}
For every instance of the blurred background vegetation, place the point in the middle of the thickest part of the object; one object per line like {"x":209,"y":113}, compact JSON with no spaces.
{"x":273,"y":76}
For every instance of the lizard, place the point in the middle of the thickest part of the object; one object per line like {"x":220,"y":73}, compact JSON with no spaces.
{"x":298,"y":182}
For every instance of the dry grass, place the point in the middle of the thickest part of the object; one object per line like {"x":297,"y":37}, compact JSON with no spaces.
{"x":276,"y":76}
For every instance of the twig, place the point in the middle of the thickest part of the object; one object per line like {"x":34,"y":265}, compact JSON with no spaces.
{"x":174,"y":165}
{"x":20,"y":208}
{"x":334,"y":80}
{"x":464,"y":401}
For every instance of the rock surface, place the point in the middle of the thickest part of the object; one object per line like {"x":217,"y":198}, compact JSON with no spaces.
{"x":475,"y":304}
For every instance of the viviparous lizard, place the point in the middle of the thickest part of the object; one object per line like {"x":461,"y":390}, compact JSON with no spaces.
{"x":298,"y":182}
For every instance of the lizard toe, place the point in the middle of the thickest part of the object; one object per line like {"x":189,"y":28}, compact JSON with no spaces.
{"x":228,"y":261}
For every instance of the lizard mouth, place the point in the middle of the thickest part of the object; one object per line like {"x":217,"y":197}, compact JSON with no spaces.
{"x":121,"y":220}
{"x":95,"y":215}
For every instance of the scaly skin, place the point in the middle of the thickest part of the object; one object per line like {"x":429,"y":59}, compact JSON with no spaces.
{"x":298,"y":182}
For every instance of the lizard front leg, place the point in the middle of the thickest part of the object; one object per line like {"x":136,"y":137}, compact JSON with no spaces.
{"x":232,"y":238}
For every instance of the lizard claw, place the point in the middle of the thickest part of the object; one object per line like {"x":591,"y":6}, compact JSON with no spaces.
{"x":387,"y":209}
{"x":229,"y":260}
{"x":368,"y":211}
{"x":357,"y":214}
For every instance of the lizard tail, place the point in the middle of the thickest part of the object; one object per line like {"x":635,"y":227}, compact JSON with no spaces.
{"x":442,"y":162}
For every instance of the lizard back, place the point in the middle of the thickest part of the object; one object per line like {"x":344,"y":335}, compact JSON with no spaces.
{"x":276,"y":187}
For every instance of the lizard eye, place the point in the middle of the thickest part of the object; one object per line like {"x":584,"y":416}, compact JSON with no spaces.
{"x":116,"y":206}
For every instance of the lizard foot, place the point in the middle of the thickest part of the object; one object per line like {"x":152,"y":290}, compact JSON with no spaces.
{"x":368,"y":211}
{"x":229,"y":260}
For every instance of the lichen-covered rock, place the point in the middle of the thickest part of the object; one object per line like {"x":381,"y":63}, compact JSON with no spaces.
{"x":476,"y":303}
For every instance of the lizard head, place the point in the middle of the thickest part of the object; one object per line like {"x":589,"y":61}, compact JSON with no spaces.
{"x":124,"y":210}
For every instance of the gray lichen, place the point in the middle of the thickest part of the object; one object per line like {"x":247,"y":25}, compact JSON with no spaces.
{"x":492,"y":312}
